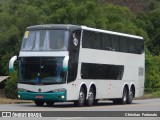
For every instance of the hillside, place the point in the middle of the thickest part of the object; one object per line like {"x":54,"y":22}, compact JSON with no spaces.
{"x":135,"y":5}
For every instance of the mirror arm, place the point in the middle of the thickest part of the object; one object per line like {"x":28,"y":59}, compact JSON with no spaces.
{"x":65,"y":63}
{"x":11,"y":63}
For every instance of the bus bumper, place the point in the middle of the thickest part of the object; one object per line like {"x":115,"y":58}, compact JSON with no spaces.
{"x":53,"y":96}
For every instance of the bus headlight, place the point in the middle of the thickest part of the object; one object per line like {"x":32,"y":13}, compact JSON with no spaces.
{"x":19,"y":96}
{"x":22,"y":90}
{"x":59,"y":90}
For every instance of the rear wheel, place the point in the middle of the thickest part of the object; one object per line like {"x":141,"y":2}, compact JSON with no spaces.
{"x":49,"y":103}
{"x":123,"y":100}
{"x":39,"y":103}
{"x":82,"y":97}
{"x":130,"y":96}
{"x":91,"y":97}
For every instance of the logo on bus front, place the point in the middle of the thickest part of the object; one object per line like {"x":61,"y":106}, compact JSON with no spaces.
{"x":39,"y":90}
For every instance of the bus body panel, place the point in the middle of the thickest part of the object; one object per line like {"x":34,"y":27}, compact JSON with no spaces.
{"x":110,"y":57}
{"x":44,"y":88}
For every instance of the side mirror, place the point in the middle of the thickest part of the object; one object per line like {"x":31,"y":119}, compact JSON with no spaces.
{"x":65,"y":63}
{"x":11,"y":63}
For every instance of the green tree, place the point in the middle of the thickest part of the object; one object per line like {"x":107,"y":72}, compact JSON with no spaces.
{"x":11,"y":86}
{"x":154,"y":17}
{"x":152,"y":82}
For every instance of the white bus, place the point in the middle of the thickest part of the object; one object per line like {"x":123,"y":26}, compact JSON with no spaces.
{"x":59,"y":63}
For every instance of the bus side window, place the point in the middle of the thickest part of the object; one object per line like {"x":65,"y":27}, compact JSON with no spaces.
{"x":97,"y":40}
{"x":88,"y":39}
{"x":72,"y":71}
{"x":124,"y":45}
{"x":106,"y":42}
{"x":114,"y":40}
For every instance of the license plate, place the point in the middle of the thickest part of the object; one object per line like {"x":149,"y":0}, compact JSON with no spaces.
{"x":39,"y":97}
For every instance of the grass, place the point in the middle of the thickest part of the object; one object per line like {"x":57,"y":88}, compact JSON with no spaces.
{"x":4,"y":100}
{"x":150,"y":95}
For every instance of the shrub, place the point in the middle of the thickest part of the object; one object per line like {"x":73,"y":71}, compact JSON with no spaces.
{"x":11,"y":86}
{"x":152,"y":81}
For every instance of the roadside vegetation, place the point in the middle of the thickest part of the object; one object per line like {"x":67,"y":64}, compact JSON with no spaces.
{"x":16,"y":15}
{"x":10,"y":89}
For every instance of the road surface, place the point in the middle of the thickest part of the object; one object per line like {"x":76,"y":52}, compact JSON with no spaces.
{"x":138,"y":105}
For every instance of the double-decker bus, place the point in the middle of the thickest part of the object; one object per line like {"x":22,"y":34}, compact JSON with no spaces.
{"x":59,"y":63}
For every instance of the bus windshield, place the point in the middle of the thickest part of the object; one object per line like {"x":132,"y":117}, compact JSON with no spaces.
{"x":45,"y":40}
{"x":41,"y":70}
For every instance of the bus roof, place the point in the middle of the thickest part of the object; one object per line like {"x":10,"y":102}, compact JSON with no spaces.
{"x":53,"y":26}
{"x":111,"y":32}
{"x":70,"y":26}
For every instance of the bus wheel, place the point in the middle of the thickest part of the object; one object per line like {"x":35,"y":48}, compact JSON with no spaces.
{"x":49,"y":103}
{"x":95,"y":101}
{"x":123,"y":100}
{"x":39,"y":103}
{"x":130,"y":96}
{"x":91,"y":97}
{"x":82,"y":97}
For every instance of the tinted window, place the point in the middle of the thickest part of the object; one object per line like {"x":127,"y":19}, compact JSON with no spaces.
{"x":72,"y":72}
{"x":104,"y":41}
{"x":87,"y":39}
{"x":47,"y":69}
{"x":101,"y":71}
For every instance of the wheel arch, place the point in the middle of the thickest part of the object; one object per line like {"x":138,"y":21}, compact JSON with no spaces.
{"x":94,"y":88}
{"x":125,"y":86}
{"x":85,"y":88}
{"x":134,"y":90}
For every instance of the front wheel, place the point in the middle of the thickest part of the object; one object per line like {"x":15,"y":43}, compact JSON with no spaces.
{"x":39,"y":103}
{"x":82,"y":97}
{"x":49,"y":103}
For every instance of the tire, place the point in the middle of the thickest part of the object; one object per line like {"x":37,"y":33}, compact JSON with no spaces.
{"x":91,"y":97}
{"x":130,"y":96}
{"x":49,"y":103}
{"x":39,"y":103}
{"x":82,"y":98}
{"x":95,"y":101}
{"x":123,"y":100}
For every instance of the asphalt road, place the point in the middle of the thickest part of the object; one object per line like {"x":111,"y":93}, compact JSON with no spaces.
{"x":138,"y":105}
